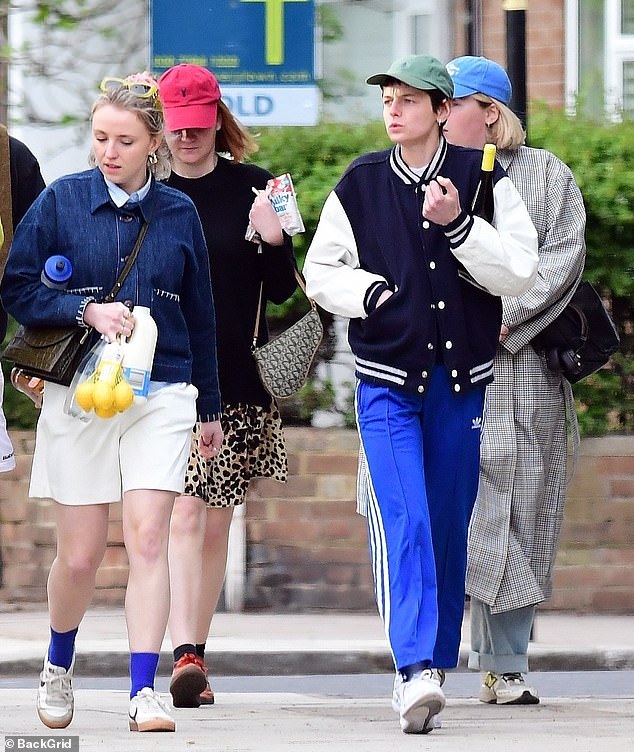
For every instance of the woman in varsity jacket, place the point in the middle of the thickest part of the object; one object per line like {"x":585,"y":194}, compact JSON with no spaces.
{"x":398,"y":252}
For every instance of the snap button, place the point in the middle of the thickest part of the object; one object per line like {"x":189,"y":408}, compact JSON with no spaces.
{"x":424,"y":374}
{"x":448,"y":344}
{"x":430,"y":346}
{"x":454,"y":373}
{"x":421,"y":389}
{"x":432,"y":264}
{"x":426,"y":224}
{"x":456,"y":387}
{"x":441,"y":304}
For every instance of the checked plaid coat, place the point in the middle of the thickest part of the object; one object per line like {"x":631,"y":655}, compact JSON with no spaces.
{"x":518,"y":514}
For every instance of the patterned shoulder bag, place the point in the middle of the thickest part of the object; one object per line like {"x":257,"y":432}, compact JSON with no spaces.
{"x":284,"y":362}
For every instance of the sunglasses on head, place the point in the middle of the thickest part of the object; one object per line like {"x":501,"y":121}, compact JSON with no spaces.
{"x":143,"y":89}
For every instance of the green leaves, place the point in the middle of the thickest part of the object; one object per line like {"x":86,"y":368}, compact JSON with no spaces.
{"x":601,"y":158}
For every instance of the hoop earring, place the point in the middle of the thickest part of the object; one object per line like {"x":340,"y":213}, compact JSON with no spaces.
{"x":152,"y":158}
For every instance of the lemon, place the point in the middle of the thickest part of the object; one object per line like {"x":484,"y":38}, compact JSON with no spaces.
{"x":123,"y":396}
{"x":107,"y":413}
{"x":83,"y":395}
{"x":103,"y":397}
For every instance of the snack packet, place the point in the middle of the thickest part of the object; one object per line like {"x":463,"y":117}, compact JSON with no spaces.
{"x":284,"y":199}
{"x":281,"y":193}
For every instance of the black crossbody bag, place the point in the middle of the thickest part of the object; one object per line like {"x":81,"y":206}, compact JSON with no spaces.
{"x":581,"y":339}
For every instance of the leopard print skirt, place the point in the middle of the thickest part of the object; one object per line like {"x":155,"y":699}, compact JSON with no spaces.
{"x":253,"y":447}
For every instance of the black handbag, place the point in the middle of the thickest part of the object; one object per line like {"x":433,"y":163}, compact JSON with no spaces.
{"x":581,"y":339}
{"x":47,"y":353}
{"x":54,"y":353}
{"x":283,"y":363}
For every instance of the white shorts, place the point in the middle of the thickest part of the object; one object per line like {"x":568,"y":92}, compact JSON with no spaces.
{"x":95,"y":462}
{"x":7,"y":455}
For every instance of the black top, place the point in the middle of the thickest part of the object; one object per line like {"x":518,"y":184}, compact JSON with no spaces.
{"x":26,"y":185}
{"x":26,"y":179}
{"x":223,"y":198}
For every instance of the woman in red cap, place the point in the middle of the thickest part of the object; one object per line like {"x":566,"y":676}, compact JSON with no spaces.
{"x":199,"y":129}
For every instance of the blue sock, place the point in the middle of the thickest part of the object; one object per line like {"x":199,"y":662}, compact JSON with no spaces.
{"x":61,"y":648}
{"x":142,"y":671}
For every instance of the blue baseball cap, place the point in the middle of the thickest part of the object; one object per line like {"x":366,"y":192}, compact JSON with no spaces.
{"x":479,"y":75}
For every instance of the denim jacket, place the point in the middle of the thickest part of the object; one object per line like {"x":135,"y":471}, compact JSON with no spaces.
{"x":76,"y":218}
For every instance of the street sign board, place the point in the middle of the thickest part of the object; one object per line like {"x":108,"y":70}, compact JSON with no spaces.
{"x":261,"y":51}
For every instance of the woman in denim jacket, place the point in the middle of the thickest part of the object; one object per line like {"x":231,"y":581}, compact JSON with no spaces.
{"x":140,"y":455}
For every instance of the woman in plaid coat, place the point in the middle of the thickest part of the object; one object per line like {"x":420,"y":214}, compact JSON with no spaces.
{"x":517,"y":518}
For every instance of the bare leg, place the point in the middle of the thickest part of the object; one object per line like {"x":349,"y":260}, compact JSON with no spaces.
{"x":146,"y":517}
{"x":187,"y":531}
{"x":214,"y":565}
{"x":194,"y":573}
{"x":81,"y":542}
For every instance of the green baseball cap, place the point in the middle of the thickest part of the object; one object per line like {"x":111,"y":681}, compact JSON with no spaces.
{"x":419,"y":71}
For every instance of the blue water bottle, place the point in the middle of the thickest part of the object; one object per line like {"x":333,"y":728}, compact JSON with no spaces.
{"x":57,"y":271}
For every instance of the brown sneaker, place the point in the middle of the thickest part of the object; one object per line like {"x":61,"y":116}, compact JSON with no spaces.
{"x":206,"y":697}
{"x":187,"y":682}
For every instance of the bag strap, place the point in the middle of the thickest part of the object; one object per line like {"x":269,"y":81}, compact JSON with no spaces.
{"x":300,"y":282}
{"x":128,"y":264}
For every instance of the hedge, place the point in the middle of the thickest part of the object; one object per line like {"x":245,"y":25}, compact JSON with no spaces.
{"x":602,"y":160}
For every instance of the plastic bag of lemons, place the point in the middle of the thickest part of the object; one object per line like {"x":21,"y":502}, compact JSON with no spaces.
{"x":100,"y":384}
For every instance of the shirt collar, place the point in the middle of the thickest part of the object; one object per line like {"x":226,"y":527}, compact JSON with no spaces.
{"x":120,"y":197}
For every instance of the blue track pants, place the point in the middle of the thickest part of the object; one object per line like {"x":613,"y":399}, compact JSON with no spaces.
{"x":423,"y":460}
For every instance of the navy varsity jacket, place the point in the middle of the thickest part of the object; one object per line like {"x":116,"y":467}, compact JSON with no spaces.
{"x":446,"y":280}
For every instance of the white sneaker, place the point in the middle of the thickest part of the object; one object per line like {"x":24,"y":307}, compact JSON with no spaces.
{"x":149,"y":713}
{"x":435,"y":722}
{"x":439,"y":675}
{"x":55,"y":703}
{"x":506,"y":689}
{"x":418,"y":702}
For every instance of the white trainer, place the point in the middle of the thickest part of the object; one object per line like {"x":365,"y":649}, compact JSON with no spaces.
{"x":506,"y":689}
{"x":55,"y":702}
{"x":439,"y":675}
{"x":435,"y":722}
{"x":148,"y":712}
{"x":418,"y":702}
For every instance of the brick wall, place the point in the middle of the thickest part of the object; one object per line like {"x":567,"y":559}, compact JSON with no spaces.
{"x":306,"y":546}
{"x":595,"y":564}
{"x":545,"y":70}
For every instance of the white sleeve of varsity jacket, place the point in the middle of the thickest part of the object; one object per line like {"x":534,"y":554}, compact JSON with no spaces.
{"x":503,"y":258}
{"x":331,"y":269}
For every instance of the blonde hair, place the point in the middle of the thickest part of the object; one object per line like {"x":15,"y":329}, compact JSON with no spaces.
{"x":149,"y":112}
{"x":507,"y":131}
{"x":233,"y":138}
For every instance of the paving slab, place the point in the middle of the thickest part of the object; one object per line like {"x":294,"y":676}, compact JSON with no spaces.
{"x":277,"y":722}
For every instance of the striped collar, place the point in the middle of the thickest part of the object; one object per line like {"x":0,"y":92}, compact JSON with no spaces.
{"x":407,"y":175}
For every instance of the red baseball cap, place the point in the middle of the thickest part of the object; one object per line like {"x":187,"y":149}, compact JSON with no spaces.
{"x":190,"y":95}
